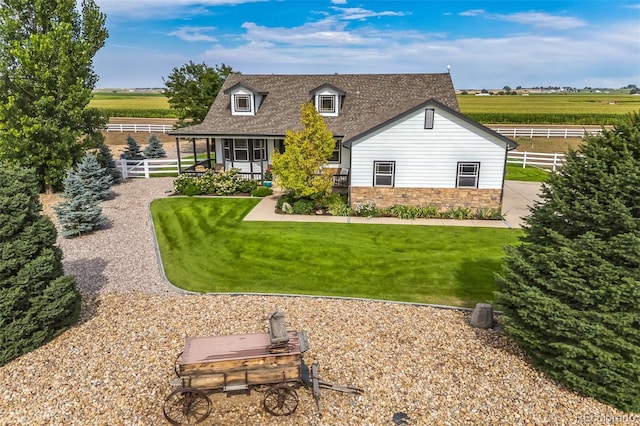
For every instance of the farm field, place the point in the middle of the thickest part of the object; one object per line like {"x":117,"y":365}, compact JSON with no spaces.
{"x":569,"y":109}
{"x":148,"y":105}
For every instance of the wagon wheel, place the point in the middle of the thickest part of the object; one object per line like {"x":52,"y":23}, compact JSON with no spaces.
{"x":186,"y":406}
{"x":175,"y":364}
{"x":280,"y":400}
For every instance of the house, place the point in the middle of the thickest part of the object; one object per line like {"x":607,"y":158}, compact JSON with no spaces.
{"x":400,"y":138}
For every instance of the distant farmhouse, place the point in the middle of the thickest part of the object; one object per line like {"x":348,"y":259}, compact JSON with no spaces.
{"x":400,"y":138}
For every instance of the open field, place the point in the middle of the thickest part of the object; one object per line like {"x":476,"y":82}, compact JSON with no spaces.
{"x":150,"y":105}
{"x":574,"y":108}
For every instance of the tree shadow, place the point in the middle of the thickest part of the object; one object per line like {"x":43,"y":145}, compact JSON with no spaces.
{"x":90,"y":280}
{"x":481,"y":271}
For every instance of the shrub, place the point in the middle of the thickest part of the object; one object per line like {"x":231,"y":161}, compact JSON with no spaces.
{"x":247,"y":186}
{"x":366,"y":209}
{"x":304,"y":206}
{"x":38,"y":300}
{"x":459,"y":213}
{"x":183,"y":181}
{"x":488,"y":214}
{"x":403,"y":212}
{"x":286,"y":198}
{"x":261,"y":191}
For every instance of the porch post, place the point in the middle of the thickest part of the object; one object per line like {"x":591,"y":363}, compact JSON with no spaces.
{"x":178,"y":154}
{"x":209,"y":153}
{"x":195,"y":156}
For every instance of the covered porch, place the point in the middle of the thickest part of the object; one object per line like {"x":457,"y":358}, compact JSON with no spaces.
{"x":250,"y":156}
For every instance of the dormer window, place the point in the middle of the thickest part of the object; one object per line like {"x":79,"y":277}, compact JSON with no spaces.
{"x":242,"y":103}
{"x":244,"y":100}
{"x":327,"y":104}
{"x":328,"y":99}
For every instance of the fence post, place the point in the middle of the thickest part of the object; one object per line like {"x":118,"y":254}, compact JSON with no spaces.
{"x":548,"y":133}
{"x":524,"y":160}
{"x":123,"y":169}
{"x":555,"y":160}
{"x":146,"y":168}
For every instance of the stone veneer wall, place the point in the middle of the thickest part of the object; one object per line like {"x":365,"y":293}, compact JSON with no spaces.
{"x":444,"y":198}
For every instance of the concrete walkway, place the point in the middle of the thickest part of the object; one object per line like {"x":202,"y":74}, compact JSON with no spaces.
{"x":518,"y":196}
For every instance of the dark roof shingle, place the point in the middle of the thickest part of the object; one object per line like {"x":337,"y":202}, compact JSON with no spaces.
{"x":369,"y":100}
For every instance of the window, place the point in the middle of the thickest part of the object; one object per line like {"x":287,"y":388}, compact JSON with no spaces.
{"x":227,"y":148}
{"x":383,"y":173}
{"x":335,"y":155}
{"x":241,"y":150}
{"x":428,"y":118}
{"x":243,"y":103}
{"x":327,"y":103}
{"x":259,"y":149}
{"x":468,"y":175}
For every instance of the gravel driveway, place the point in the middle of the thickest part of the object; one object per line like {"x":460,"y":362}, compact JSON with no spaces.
{"x":114,"y":366}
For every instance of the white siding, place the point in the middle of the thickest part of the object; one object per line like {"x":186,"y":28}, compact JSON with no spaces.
{"x":428,"y":158}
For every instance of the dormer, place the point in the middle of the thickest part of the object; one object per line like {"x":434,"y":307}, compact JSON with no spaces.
{"x":244,"y":99}
{"x":328,"y":99}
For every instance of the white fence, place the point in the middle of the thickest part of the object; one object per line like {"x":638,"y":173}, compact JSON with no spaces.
{"x":158,"y":167}
{"x":537,"y":159}
{"x":523,"y":132}
{"x":147,"y":167}
{"x":514,"y":132}
{"x":142,"y":128}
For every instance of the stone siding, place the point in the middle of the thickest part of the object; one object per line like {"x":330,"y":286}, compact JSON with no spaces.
{"x":444,"y":198}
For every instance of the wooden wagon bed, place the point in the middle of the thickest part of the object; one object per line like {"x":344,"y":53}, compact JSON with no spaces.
{"x":236,"y":361}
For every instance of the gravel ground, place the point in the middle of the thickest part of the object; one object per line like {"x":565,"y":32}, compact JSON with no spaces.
{"x":114,"y":366}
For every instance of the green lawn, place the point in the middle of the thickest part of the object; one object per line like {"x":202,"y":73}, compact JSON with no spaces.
{"x":206,"y":247}
{"x":528,"y":174}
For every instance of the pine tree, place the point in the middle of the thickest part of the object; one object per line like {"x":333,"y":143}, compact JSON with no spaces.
{"x":81,"y":212}
{"x":154,"y":149}
{"x":571,"y":291}
{"x":95,"y":177}
{"x":133,"y":151}
{"x":105,"y":158}
{"x":37,"y":301}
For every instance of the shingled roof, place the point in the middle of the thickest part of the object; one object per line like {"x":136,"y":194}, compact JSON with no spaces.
{"x":369,"y":101}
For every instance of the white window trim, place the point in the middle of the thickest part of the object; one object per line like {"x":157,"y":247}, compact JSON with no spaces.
{"x":429,"y":118}
{"x":321,"y":99}
{"x":392,"y":174}
{"x":237,"y":98}
{"x":475,"y":174}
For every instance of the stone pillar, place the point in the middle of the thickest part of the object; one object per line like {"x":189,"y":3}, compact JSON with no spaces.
{"x":482,"y":316}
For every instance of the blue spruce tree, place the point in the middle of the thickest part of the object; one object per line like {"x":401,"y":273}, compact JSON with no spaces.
{"x":154,"y":149}
{"x":105,"y":158}
{"x":132,"y":151}
{"x":81,"y":212}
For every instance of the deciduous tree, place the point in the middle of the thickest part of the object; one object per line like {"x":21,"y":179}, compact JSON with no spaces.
{"x":300,"y":168}
{"x":571,"y":291}
{"x":46,"y":78}
{"x":192,"y":88}
{"x":37,"y":301}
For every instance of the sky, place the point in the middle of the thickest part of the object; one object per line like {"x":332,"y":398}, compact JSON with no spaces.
{"x":486,"y":44}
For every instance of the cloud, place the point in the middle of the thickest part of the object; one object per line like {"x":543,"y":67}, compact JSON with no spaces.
{"x":168,"y":9}
{"x":194,"y":34}
{"x":539,"y":20}
{"x":339,"y":1}
{"x":357,"y":13}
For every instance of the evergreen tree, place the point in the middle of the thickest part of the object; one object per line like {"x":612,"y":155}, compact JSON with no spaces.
{"x":154,"y":149}
{"x":95,"y":178}
{"x":306,"y":151}
{"x":37,"y":301}
{"x":108,"y":163}
{"x":46,"y":82}
{"x":132,"y":151}
{"x":571,"y":291}
{"x":81,"y":212}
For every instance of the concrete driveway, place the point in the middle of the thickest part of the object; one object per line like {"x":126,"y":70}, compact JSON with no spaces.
{"x":518,"y":198}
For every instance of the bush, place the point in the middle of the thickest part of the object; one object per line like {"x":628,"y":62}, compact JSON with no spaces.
{"x":366,"y":209}
{"x":38,"y":301}
{"x":247,"y":186}
{"x":304,"y":206}
{"x":184,"y":181}
{"x":261,"y":191}
{"x":223,"y":183}
{"x":286,"y":198}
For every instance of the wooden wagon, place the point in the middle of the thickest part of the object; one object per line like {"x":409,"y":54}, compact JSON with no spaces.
{"x":236,"y":364}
